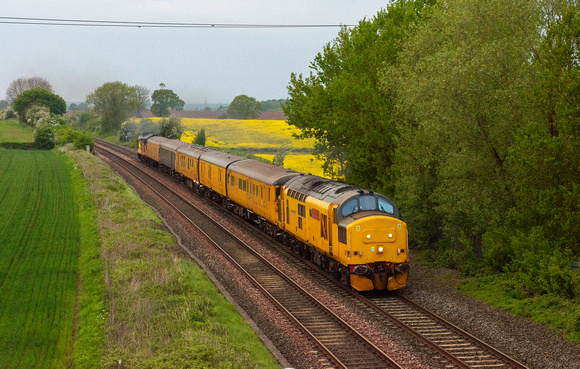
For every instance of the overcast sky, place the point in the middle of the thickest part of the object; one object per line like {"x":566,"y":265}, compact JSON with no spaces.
{"x":201,"y":65}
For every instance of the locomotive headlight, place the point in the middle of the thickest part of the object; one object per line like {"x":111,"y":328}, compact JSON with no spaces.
{"x":390,"y":235}
{"x":380,"y":250}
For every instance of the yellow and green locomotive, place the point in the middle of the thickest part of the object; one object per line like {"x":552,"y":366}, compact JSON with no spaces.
{"x":353,"y":233}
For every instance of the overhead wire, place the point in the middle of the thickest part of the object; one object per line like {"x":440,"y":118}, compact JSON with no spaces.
{"x":135,"y":24}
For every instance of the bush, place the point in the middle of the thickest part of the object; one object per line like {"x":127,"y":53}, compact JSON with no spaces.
{"x":171,"y":127}
{"x":7,"y":113}
{"x":44,"y":137}
{"x":38,"y":115}
{"x":83,"y":140}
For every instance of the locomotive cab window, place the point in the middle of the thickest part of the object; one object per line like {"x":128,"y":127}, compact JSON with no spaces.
{"x":366,"y":203}
{"x":350,"y":207}
{"x":385,"y":206}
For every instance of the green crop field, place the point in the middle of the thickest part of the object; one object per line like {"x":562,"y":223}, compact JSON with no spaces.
{"x":39,"y":251}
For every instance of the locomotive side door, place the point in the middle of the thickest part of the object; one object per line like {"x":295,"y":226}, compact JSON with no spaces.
{"x":332,"y":229}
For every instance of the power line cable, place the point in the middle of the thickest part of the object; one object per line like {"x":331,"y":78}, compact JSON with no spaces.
{"x":114,"y":23}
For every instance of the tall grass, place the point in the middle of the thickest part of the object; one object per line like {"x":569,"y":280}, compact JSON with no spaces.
{"x":160,"y":311}
{"x":39,"y":237}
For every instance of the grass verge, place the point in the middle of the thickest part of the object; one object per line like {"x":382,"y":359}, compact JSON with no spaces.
{"x":159,"y":311}
{"x":555,"y":312}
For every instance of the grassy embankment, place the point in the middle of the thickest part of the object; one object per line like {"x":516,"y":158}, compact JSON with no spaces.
{"x":137,"y":300}
{"x":259,"y":137}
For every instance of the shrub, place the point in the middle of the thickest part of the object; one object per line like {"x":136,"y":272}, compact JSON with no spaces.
{"x":38,"y":115}
{"x":171,"y":127}
{"x":7,"y":113}
{"x":82,"y":140}
{"x":44,"y":137}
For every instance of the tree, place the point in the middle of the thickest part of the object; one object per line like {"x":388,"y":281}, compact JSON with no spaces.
{"x":273,"y":105}
{"x":3,"y":104}
{"x":200,"y":137}
{"x":143,"y":98}
{"x":341,"y":103}
{"x":114,"y":102}
{"x":463,"y":90}
{"x":44,"y":137}
{"x":164,"y":100}
{"x":244,"y":107}
{"x":171,"y":127}
{"x":38,"y":96}
{"x":20,"y":85}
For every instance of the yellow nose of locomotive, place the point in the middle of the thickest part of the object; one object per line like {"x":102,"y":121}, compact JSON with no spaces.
{"x":377,"y":253}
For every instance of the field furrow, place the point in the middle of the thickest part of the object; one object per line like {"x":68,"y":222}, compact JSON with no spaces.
{"x":39,"y":250}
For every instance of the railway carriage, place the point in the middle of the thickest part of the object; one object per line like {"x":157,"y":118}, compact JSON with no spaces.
{"x":213,"y":166}
{"x":188,"y":163}
{"x":353,"y":233}
{"x":256,"y":187}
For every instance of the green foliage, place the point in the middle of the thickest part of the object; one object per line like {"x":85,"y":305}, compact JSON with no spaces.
{"x":78,"y":107}
{"x":164,"y":100}
{"x":200,"y":137}
{"x":114,"y":102}
{"x":549,"y":309}
{"x":171,"y":127}
{"x":37,"y":115}
{"x":458,"y":118}
{"x":341,"y":104}
{"x":244,"y":107}
{"x":38,"y":96}
{"x":7,"y":113}
{"x":273,"y":105}
{"x":44,"y":137}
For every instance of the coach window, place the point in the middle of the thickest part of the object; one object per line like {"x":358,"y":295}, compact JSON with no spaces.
{"x":233,"y":181}
{"x":299,"y":222}
{"x":245,"y":186}
{"x":240,"y":183}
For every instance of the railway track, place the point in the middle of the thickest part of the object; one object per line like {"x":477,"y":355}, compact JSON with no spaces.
{"x":452,"y":347}
{"x":341,"y":344}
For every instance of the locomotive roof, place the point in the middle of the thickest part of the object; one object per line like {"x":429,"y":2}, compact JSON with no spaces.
{"x":320,"y":188}
{"x":263,"y":172}
{"x":331,"y":191}
{"x":158,"y":140}
{"x":173,"y":144}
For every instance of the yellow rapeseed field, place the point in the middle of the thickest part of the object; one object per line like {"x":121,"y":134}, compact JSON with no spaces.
{"x":260,"y":137}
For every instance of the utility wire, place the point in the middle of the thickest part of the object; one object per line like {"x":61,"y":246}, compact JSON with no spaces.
{"x":106,"y":23}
